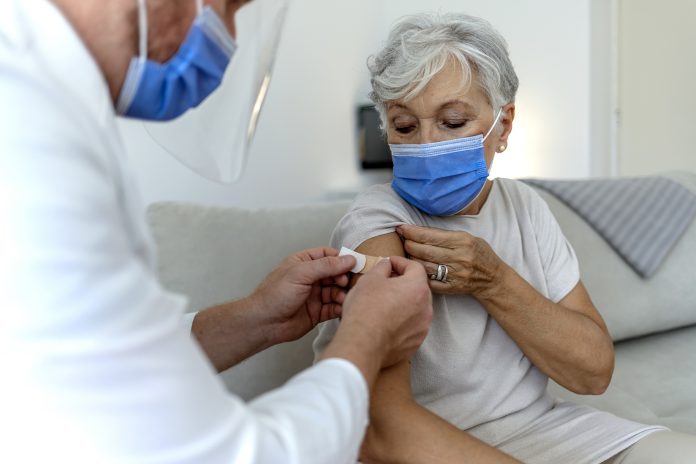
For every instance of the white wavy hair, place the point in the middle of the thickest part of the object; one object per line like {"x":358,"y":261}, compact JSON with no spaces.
{"x":419,"y":47}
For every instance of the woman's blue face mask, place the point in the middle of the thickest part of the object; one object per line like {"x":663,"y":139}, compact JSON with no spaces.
{"x":442,"y":178}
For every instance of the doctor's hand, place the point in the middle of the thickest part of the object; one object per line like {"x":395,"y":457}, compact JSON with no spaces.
{"x":472,"y":266}
{"x":307,"y":288}
{"x":386,"y":317}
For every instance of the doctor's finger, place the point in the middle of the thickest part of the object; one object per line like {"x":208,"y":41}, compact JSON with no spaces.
{"x":407,"y":267}
{"x":340,"y":280}
{"x":319,"y":269}
{"x":320,"y":252}
{"x":423,"y":252}
{"x":330,"y":311}
{"x":333,"y":295}
{"x":383,"y":267}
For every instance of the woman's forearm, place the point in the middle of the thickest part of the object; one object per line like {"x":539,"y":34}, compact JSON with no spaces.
{"x":402,"y":431}
{"x":569,"y":346}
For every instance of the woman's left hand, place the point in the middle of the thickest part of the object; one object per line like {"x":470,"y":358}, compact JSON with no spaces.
{"x":472,"y":265}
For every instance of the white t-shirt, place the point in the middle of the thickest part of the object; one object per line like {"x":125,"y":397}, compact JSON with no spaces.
{"x":468,"y":370}
{"x":98,"y":366}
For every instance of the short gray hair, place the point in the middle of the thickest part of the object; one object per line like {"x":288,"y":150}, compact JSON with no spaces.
{"x":419,"y":46}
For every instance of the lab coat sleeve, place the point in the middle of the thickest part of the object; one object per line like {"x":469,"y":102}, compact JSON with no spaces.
{"x":100,"y":367}
{"x":187,"y":320}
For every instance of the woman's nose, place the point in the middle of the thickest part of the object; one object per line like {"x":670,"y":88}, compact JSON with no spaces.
{"x":428,"y":134}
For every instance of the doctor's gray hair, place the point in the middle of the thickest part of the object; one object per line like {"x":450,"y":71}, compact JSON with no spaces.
{"x":419,"y":46}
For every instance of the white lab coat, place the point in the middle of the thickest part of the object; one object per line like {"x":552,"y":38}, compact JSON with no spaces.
{"x":97,"y":364}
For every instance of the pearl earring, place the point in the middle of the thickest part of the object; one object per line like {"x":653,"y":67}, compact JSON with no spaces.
{"x":502,"y":148}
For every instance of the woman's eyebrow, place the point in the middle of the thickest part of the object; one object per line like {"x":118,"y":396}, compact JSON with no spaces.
{"x":467,"y":106}
{"x":447,"y":104}
{"x":398,"y":105}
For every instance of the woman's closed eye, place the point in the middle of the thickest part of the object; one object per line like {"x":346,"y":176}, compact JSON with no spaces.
{"x":404,"y":129}
{"x":454,"y":124}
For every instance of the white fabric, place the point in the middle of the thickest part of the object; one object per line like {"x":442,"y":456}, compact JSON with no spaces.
{"x":469,"y":371}
{"x":654,"y":381}
{"x":663,"y":448}
{"x":188,"y":321}
{"x":97,"y":364}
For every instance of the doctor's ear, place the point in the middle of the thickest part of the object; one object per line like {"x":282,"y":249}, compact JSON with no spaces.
{"x":506,"y":119}
{"x":227,"y":9}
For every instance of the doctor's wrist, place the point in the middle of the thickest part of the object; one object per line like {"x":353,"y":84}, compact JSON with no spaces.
{"x":260,"y":321}
{"x":363,"y":348}
{"x":230,"y":332}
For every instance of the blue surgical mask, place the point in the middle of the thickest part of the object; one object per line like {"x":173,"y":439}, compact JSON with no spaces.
{"x":161,"y":92}
{"x":442,"y":178}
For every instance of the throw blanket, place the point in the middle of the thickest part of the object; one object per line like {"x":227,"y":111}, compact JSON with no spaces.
{"x":641,"y":218}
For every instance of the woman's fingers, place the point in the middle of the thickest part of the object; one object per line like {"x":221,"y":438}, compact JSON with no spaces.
{"x":450,"y":284}
{"x":426,"y":252}
{"x":432,"y":236}
{"x":471,"y":263}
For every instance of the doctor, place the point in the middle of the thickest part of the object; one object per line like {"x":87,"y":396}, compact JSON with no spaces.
{"x":98,"y":365}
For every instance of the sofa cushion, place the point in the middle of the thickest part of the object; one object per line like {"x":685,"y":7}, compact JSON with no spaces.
{"x":654,"y":381}
{"x":213,"y":255}
{"x":633,"y":306}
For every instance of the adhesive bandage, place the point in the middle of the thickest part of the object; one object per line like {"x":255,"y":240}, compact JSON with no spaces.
{"x":363,"y":262}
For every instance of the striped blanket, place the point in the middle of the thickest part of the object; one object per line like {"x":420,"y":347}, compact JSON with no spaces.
{"x":641,"y":218}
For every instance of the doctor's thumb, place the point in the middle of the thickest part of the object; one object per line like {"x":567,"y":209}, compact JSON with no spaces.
{"x":382,"y":267}
{"x":324,"y":268}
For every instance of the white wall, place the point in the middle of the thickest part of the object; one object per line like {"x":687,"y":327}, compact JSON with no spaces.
{"x":603,"y":87}
{"x":656,"y":80}
{"x":305,"y":148}
{"x":549,"y":42}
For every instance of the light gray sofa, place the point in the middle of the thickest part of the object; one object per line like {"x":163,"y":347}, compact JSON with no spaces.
{"x":214,"y":254}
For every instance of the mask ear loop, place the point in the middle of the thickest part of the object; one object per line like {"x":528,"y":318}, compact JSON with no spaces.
{"x":142,"y":30}
{"x":495,"y":121}
{"x":199,"y":7}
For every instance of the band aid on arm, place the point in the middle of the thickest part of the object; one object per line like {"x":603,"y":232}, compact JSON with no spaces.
{"x":363,"y":262}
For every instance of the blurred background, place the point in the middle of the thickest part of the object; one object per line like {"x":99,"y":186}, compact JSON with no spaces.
{"x":606,"y":89}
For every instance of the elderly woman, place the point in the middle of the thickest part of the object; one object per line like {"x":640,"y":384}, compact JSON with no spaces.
{"x":510,"y":308}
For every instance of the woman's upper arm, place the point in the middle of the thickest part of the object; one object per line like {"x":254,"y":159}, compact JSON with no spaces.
{"x":383,"y":245}
{"x":560,"y":263}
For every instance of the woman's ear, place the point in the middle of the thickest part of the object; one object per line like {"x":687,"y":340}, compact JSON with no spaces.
{"x":506,"y":119}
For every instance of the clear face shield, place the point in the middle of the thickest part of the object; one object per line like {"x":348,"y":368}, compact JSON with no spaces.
{"x":214,"y":139}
